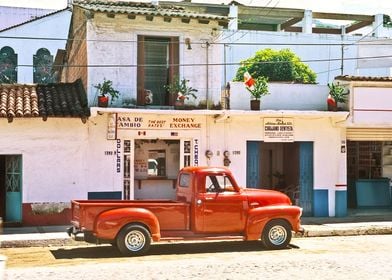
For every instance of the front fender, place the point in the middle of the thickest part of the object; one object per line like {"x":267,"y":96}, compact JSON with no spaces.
{"x":259,"y":217}
{"x":109,"y":223}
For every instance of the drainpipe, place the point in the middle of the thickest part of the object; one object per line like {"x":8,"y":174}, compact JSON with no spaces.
{"x":207,"y":74}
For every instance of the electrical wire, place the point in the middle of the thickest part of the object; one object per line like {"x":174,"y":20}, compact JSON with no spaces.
{"x":209,"y":64}
{"x":383,"y":42}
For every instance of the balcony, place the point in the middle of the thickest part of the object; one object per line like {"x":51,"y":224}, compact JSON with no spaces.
{"x":283,"y":96}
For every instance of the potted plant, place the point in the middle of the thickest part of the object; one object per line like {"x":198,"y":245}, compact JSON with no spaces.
{"x":258,"y":88}
{"x":337,"y":94}
{"x":181,"y":90}
{"x":105,"y":89}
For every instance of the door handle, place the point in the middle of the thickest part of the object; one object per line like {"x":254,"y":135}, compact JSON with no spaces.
{"x":209,"y":198}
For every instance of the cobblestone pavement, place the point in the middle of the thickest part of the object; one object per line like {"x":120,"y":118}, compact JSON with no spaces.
{"x":348,"y":257}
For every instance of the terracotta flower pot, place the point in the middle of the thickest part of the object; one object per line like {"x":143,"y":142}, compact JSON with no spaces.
{"x":255,"y":105}
{"x":103,"y":101}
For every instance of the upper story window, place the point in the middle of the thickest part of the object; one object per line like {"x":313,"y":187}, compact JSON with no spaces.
{"x":8,"y":65}
{"x":158,"y":59}
{"x":42,"y":63}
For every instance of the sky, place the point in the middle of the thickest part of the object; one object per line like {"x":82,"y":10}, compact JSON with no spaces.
{"x":332,"y":6}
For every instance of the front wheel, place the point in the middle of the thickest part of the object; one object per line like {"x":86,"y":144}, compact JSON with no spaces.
{"x":276,"y":234}
{"x":133,"y":240}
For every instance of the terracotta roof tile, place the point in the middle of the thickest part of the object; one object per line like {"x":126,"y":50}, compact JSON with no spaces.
{"x":39,"y":100}
{"x":363,"y":78}
{"x":162,"y":9}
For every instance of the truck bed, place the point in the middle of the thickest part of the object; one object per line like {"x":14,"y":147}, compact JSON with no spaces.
{"x":172,"y":215}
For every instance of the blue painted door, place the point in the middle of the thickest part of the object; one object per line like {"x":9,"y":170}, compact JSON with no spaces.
{"x":13,"y":188}
{"x":306,"y":177}
{"x":253,"y":179}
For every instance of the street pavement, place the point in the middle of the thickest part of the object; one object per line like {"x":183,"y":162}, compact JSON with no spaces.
{"x":314,"y":227}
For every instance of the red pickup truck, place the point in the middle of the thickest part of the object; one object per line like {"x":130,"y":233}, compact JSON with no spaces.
{"x":210,"y":205}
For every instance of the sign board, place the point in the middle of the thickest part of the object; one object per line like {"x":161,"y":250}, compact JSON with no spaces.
{"x":112,"y":131}
{"x":278,"y":130}
{"x":145,"y":122}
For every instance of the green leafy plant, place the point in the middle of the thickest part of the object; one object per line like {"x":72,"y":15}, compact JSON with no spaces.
{"x":282,"y":65}
{"x":106,"y":88}
{"x":259,"y":88}
{"x":338,"y":92}
{"x":181,"y":88}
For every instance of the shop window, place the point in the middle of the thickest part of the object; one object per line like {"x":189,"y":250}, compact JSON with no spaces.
{"x":8,"y":65}
{"x":364,"y":159}
{"x":158,"y":59}
{"x":156,"y":163}
{"x":42,"y":66}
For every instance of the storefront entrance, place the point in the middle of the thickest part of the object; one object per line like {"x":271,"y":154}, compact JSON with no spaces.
{"x":156,"y":164}
{"x":286,"y":167}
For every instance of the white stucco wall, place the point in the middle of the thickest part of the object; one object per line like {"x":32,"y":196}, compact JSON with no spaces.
{"x":11,"y":16}
{"x":116,"y":44}
{"x":53,"y":27}
{"x":283,"y":96}
{"x":53,"y":154}
{"x":64,"y":159}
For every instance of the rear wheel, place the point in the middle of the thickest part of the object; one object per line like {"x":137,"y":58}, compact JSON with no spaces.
{"x":276,"y":234}
{"x":133,"y":240}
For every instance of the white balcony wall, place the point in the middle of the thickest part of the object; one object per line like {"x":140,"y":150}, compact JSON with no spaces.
{"x":282,"y":97}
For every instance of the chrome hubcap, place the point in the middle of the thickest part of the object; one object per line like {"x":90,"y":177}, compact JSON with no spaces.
{"x":135,"y":240}
{"x":277,"y":235}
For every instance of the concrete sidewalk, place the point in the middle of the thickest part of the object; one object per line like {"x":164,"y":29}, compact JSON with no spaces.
{"x":314,"y":227}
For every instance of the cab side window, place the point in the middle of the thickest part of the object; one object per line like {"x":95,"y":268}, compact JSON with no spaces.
{"x":218,"y":183}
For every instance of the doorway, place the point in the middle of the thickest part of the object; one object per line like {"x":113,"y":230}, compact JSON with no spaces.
{"x":11,"y":188}
{"x":285,"y":167}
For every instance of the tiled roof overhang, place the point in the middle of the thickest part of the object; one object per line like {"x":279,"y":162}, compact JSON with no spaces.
{"x":145,"y":9}
{"x":363,"y":78}
{"x":59,"y":100}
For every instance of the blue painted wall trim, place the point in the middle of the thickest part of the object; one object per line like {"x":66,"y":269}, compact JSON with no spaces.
{"x":341,"y":203}
{"x":104,"y":195}
{"x":306,"y":178}
{"x":13,"y":207}
{"x":320,"y":203}
{"x":253,"y":178}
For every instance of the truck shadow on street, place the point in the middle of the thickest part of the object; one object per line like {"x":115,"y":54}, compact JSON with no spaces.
{"x":107,"y":251}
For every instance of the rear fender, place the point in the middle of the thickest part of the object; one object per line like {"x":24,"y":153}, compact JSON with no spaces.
{"x":259,"y":217}
{"x":109,"y":223}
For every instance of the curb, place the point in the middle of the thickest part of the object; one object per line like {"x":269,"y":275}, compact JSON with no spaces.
{"x":325,"y":230}
{"x":344,"y":230}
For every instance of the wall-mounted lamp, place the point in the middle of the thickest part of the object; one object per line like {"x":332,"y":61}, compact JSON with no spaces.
{"x":188,"y":43}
